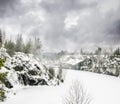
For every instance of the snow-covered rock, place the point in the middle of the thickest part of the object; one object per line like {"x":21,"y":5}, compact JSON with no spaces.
{"x":28,"y":71}
{"x":25,"y":70}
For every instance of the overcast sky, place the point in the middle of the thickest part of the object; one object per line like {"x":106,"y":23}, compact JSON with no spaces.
{"x":63,"y":24}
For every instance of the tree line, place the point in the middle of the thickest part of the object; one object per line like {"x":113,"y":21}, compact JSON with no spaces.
{"x":19,"y":45}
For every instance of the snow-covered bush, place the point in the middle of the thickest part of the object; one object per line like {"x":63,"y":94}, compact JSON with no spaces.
{"x":77,"y":95}
{"x":100,"y":64}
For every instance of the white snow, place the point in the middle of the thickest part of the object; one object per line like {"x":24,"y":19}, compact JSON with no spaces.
{"x":103,"y":89}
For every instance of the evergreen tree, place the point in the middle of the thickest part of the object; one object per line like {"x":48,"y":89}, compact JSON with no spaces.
{"x":36,"y":48}
{"x":98,"y":51}
{"x":10,"y":46}
{"x":117,"y":52}
{"x":19,"y":44}
{"x":0,"y":38}
{"x":27,"y":47}
{"x":37,"y":44}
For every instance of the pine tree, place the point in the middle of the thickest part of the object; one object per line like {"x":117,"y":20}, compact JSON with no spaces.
{"x":36,"y":46}
{"x":0,"y":38}
{"x":117,"y":52}
{"x":98,"y":51}
{"x":37,"y":43}
{"x":19,"y":44}
{"x":10,"y":46}
{"x":27,"y":47}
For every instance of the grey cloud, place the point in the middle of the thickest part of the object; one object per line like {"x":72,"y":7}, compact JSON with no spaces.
{"x":115,"y":28}
{"x":93,"y":29}
{"x":61,"y":6}
{"x":113,"y":33}
{"x":8,"y":7}
{"x":56,"y":12}
{"x":112,"y":29}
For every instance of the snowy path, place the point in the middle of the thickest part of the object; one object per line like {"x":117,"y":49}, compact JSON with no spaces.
{"x":103,"y":89}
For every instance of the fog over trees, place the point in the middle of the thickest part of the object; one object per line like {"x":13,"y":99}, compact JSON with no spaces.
{"x":20,"y":45}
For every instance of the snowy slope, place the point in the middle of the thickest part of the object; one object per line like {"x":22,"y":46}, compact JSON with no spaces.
{"x":103,"y":89}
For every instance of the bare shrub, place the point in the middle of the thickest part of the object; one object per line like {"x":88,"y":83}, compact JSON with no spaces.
{"x":77,"y":95}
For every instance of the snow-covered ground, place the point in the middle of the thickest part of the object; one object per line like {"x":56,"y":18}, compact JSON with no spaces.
{"x":102,"y":89}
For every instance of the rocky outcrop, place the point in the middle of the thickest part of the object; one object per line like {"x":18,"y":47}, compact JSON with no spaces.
{"x":25,"y":79}
{"x":24,"y":69}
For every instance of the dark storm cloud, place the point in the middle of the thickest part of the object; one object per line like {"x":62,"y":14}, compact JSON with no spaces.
{"x":8,"y":7}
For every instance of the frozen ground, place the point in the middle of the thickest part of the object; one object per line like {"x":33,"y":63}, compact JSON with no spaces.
{"x":102,"y":89}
